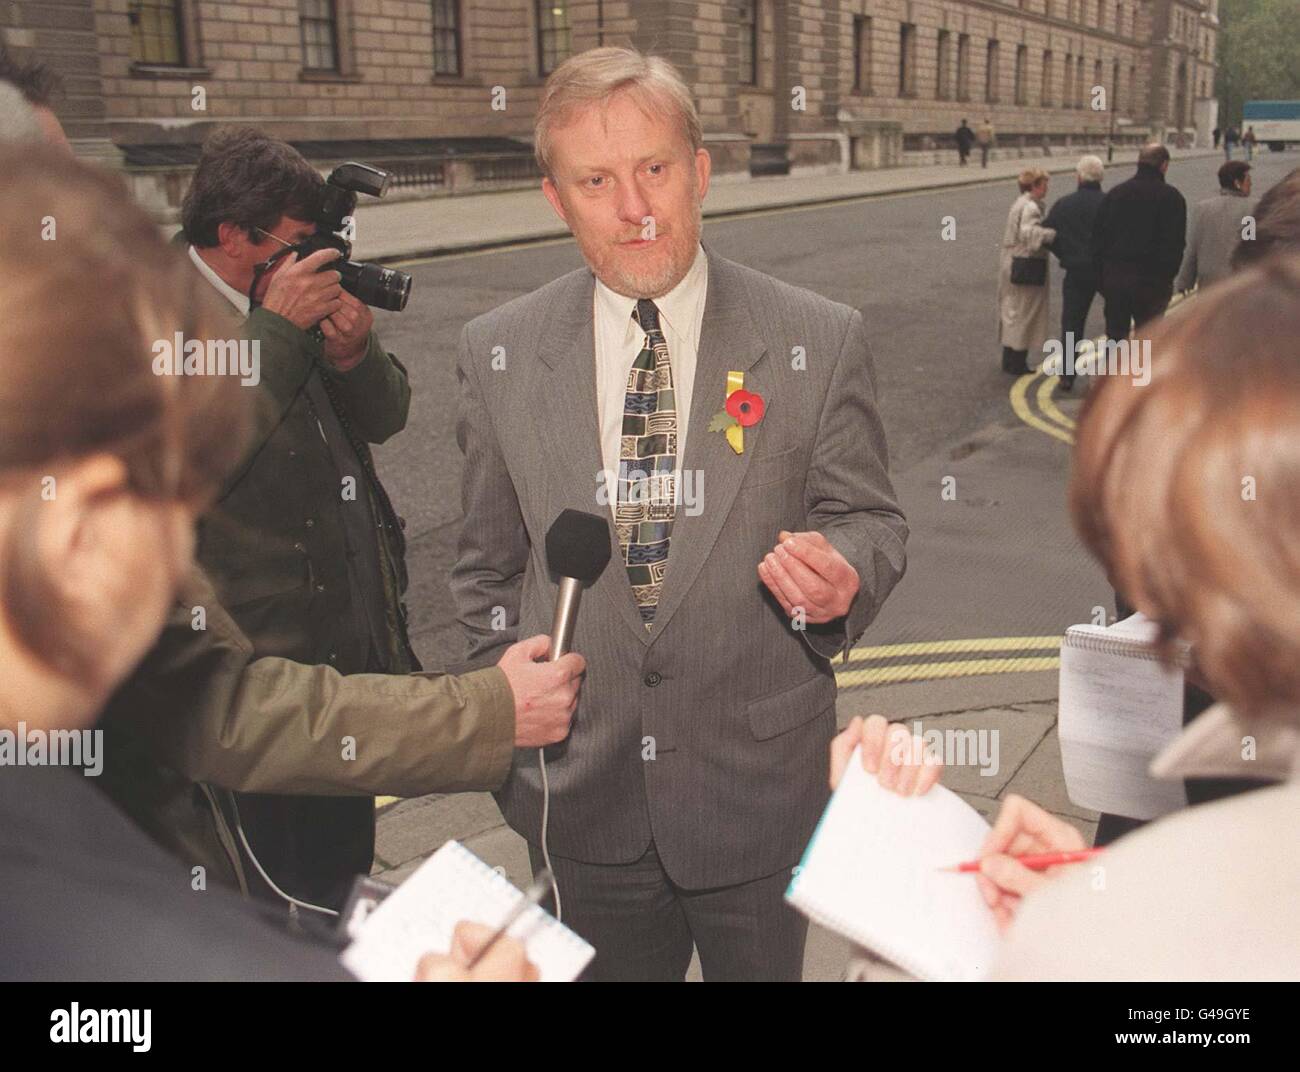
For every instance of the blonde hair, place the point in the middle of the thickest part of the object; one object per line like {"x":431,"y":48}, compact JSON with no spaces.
{"x":1030,"y":177}
{"x":595,"y":76}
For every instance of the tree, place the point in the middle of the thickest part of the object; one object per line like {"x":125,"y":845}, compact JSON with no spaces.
{"x":1259,"y":54}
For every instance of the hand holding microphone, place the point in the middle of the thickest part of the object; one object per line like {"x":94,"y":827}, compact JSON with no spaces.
{"x":546,"y":693}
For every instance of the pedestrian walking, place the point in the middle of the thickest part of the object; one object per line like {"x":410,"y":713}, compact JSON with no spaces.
{"x":1248,"y":143}
{"x":984,"y":138}
{"x":1022,"y":275}
{"x":965,"y":139}
{"x":1137,"y":244}
{"x":1072,"y":218}
{"x":1216,"y":133}
{"x":1215,"y":229}
{"x":1229,"y":140}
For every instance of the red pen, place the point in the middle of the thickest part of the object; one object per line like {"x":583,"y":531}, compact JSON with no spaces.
{"x":1035,"y":861}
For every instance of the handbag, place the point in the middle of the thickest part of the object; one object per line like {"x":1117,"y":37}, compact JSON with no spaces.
{"x":1029,"y":271}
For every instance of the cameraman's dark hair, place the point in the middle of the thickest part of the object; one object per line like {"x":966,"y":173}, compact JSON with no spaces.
{"x":1277,"y":223}
{"x":1233,"y":172}
{"x":34,"y":79}
{"x":249,"y":179}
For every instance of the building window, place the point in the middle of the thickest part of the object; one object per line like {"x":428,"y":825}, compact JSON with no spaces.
{"x":553,"y":42}
{"x":1114,"y":87}
{"x":906,"y":60}
{"x":1096,"y":75}
{"x":446,"y":37}
{"x":319,"y":35}
{"x":861,"y":54}
{"x":156,"y":32}
{"x":991,"y":73}
{"x":943,"y":79}
{"x":1119,"y":18}
{"x":749,"y":43}
{"x":1022,"y":76}
{"x":1045,"y":97}
{"x":963,"y":67}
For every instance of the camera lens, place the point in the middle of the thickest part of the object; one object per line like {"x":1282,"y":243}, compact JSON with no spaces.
{"x":384,"y":288}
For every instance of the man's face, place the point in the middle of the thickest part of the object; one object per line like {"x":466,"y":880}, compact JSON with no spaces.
{"x":246,"y":253}
{"x":630,"y":189}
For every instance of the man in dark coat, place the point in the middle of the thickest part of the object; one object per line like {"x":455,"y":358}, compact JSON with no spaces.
{"x":1137,"y":244}
{"x":965,"y":139}
{"x":1072,"y":218}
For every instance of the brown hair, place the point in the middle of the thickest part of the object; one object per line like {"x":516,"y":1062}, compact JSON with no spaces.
{"x":1231,"y":173}
{"x":249,"y":179}
{"x":1277,"y":223}
{"x":1187,"y":489}
{"x":89,"y":286}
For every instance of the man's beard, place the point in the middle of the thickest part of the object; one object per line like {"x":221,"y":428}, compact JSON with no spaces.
{"x":649,"y":282}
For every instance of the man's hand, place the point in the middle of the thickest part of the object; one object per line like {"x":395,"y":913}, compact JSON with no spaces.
{"x":804,"y":571}
{"x":898,"y":759}
{"x":1022,"y":827}
{"x":546,"y":694}
{"x":347,"y":332}
{"x":505,"y":962}
{"x":301,"y":293}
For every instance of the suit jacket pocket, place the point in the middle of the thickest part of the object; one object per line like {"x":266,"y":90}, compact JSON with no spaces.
{"x":771,"y":469}
{"x":790,"y":708}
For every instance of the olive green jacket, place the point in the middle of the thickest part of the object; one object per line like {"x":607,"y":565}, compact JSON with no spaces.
{"x":257,"y":683}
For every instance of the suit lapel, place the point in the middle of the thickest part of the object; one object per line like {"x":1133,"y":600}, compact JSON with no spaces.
{"x":568,"y":421}
{"x":728,"y":341}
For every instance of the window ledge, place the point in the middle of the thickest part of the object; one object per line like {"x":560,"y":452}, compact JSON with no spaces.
{"x":165,"y":70}
{"x":327,"y":76}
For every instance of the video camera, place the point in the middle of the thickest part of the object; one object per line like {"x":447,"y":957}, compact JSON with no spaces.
{"x":384,"y":288}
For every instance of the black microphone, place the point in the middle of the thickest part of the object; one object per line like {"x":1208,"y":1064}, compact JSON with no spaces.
{"x":577,"y":550}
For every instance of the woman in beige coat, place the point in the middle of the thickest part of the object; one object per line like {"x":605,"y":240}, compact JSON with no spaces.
{"x":1023,"y":309}
{"x":1186,"y":489}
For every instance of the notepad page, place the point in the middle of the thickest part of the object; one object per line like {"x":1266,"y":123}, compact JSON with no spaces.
{"x":450,"y":886}
{"x":1119,"y":707}
{"x":872,"y":872}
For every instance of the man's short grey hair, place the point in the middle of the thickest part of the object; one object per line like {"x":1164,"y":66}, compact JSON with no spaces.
{"x":18,"y":122}
{"x":595,"y":76}
{"x":1090,"y":168}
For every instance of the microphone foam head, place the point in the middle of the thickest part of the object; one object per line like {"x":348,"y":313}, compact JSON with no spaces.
{"x":577,"y":545}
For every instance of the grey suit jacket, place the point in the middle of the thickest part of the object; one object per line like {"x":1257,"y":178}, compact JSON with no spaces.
{"x":1212,"y":237}
{"x":708,"y":732}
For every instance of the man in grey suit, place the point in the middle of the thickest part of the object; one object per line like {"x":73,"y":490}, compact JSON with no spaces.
{"x":727,"y":423}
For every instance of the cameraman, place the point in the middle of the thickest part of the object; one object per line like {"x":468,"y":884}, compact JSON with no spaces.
{"x":279,"y":700}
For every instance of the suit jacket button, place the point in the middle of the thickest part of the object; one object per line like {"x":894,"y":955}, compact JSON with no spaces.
{"x":653,"y":678}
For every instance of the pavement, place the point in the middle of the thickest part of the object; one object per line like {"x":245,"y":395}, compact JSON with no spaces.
{"x":412,"y":229}
{"x":985,"y":512}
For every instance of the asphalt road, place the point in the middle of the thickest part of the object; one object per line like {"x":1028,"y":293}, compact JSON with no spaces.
{"x":928,"y":304}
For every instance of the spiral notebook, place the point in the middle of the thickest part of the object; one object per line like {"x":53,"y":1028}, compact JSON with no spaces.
{"x":1120,"y":706}
{"x":453,"y":885}
{"x":873,"y":872}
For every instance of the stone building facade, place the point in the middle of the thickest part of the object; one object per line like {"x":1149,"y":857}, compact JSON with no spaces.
{"x":803,"y":81}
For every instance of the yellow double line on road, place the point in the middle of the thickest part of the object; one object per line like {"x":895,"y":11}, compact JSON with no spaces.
{"x":1048,"y":418}
{"x":888,"y":672}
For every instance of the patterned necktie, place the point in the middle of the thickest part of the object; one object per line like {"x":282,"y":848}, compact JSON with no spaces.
{"x":643,"y":513}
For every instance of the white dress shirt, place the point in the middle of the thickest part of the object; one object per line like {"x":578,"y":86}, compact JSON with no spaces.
{"x":619,"y":340}
{"x":239,"y":301}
